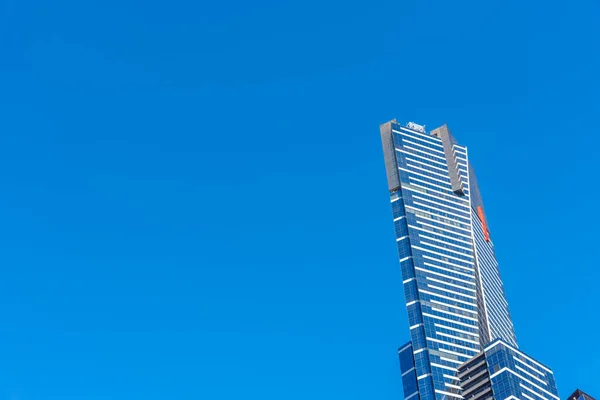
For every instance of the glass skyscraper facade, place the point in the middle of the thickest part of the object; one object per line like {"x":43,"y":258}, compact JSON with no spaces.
{"x":502,"y":371}
{"x":454,"y":294}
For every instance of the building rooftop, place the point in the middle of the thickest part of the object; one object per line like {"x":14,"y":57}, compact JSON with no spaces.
{"x":579,"y":395}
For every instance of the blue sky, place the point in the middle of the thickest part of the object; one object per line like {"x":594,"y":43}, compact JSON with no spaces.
{"x":193,"y":200}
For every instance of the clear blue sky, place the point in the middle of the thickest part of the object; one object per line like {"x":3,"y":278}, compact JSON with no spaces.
{"x":193,"y":202}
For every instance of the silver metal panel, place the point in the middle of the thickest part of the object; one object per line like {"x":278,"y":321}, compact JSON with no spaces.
{"x":389,"y":153}
{"x":447,"y":141}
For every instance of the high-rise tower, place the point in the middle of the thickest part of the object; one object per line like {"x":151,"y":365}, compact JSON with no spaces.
{"x":454,"y":295}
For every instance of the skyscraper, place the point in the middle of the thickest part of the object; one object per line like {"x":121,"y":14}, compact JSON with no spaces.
{"x":454,"y":294}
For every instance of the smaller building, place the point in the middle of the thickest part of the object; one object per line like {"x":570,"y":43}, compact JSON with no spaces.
{"x":579,"y":395}
{"x":503,"y":372}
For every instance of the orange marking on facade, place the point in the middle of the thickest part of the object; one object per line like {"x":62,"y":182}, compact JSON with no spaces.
{"x":486,"y":233}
